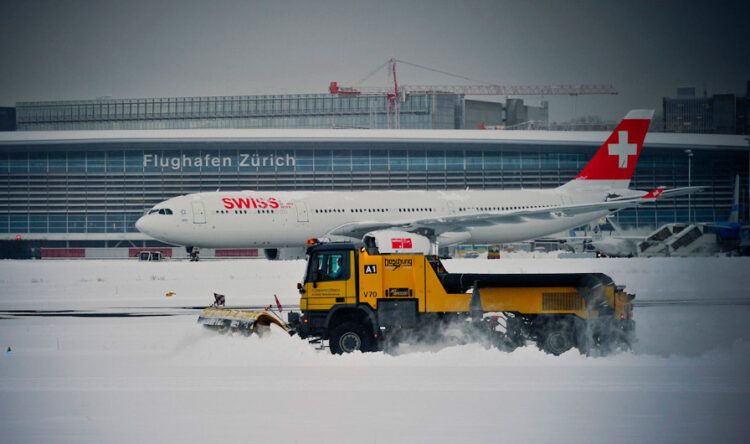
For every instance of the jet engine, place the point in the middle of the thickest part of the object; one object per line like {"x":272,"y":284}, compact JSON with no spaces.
{"x":284,"y":254}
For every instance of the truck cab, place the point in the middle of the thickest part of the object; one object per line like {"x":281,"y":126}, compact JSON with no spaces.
{"x":330,"y":303}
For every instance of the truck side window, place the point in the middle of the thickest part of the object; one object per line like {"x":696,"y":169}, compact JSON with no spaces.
{"x":329,"y":266}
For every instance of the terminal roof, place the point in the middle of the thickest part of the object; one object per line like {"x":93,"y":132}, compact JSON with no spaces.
{"x":585,"y":138}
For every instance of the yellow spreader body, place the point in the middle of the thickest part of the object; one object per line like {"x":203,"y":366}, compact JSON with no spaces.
{"x":227,"y":318}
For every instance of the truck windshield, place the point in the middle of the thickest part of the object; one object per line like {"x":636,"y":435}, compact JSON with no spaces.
{"x":329,"y":266}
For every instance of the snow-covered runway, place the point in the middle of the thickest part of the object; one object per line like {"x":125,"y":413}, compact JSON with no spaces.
{"x":166,"y":379}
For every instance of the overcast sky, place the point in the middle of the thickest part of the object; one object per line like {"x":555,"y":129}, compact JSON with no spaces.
{"x":57,"y":50}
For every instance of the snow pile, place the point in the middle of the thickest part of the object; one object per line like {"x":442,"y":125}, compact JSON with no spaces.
{"x":167,"y":379}
{"x":95,"y":284}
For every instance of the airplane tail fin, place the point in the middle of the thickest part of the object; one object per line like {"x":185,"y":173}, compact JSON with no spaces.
{"x":734,"y":215}
{"x":613,"y":165}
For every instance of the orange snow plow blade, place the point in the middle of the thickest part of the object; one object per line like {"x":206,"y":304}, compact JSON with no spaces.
{"x":225,"y":318}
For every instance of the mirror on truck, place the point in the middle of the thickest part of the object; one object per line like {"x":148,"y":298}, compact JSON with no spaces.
{"x":370,"y":245}
{"x":313,"y":272}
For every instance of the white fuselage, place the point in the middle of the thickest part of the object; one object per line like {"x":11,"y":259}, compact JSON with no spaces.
{"x":256,"y":219}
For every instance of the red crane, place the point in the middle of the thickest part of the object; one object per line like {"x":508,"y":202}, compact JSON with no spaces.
{"x":396,"y":93}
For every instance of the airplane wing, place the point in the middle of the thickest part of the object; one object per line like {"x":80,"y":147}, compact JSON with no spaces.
{"x":459,"y":222}
{"x":723,"y":225}
{"x":714,"y":225}
{"x":674,"y":192}
{"x":661,"y":193}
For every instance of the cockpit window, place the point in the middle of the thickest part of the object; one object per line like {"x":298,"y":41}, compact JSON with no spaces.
{"x":160,"y":211}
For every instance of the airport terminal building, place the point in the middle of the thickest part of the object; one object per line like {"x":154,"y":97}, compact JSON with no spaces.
{"x":87,"y":188}
{"x":418,"y":111}
{"x":78,"y":174}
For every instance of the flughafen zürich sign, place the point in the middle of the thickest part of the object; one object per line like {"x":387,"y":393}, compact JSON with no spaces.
{"x":242,"y":160}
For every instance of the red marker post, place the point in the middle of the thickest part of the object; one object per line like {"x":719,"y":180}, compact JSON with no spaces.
{"x":278,"y":304}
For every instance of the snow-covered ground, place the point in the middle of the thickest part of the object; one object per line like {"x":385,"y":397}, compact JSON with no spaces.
{"x":165,"y":379}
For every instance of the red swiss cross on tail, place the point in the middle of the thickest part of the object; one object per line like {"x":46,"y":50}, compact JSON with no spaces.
{"x":616,"y":159}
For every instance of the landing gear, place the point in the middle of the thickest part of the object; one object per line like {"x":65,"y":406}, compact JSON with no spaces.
{"x":193,"y":253}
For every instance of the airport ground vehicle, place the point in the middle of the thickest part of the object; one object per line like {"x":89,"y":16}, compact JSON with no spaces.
{"x":151,"y":256}
{"x":362,"y":299}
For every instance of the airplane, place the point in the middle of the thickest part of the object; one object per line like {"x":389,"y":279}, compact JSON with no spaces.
{"x":283,"y":219}
{"x":731,"y":229}
{"x":728,"y":234}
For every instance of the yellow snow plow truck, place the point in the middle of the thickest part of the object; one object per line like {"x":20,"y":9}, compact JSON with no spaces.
{"x":361,"y":299}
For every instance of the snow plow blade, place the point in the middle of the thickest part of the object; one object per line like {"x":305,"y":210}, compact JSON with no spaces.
{"x":225,"y":318}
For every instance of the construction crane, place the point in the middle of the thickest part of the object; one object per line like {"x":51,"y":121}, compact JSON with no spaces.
{"x":397,"y":93}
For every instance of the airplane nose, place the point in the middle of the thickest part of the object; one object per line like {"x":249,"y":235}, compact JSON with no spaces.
{"x":140,"y":224}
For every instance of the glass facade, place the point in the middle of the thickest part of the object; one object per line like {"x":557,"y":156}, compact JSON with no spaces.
{"x":103,"y":187}
{"x":718,"y":114}
{"x":267,"y":111}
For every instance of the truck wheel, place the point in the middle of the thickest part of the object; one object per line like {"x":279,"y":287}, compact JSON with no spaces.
{"x":348,"y":337}
{"x":557,"y":342}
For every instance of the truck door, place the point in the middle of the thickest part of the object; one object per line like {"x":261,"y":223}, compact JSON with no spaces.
{"x":330,"y":280}
{"x":199,"y":213}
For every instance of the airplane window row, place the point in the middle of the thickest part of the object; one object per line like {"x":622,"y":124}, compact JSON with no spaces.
{"x":354,"y":210}
{"x":412,"y":210}
{"x":243,"y":211}
{"x":374,"y":210}
{"x":160,"y":211}
{"x":521,"y":207}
